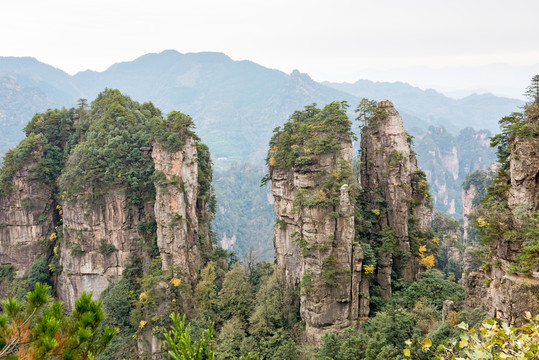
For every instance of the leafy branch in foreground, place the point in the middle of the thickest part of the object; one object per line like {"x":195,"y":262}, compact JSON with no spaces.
{"x":39,"y":329}
{"x":492,"y":340}
{"x":182,"y":347}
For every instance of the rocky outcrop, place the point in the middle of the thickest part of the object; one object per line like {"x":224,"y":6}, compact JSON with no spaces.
{"x":97,"y":241}
{"x":26,"y":218}
{"x":395,"y":189}
{"x":314,"y":246}
{"x":314,"y":232}
{"x":508,"y":282}
{"x":176,"y":209}
{"x":524,"y":167}
{"x":468,"y":207}
{"x":99,"y":236}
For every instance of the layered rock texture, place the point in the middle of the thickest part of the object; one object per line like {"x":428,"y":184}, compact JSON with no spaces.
{"x":182,"y":224}
{"x":95,"y":190}
{"x":508,"y":283}
{"x":97,"y":241}
{"x":26,"y":215}
{"x":310,"y":162}
{"x":396,"y":191}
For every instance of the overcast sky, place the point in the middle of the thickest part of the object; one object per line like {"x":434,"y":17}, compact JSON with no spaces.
{"x":448,"y":45}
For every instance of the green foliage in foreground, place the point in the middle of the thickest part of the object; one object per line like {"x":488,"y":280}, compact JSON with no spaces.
{"x":491,"y":340}
{"x":38,"y":328}
{"x":182,"y":347}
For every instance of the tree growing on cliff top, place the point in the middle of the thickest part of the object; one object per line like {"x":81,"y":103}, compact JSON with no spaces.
{"x":532,"y":91}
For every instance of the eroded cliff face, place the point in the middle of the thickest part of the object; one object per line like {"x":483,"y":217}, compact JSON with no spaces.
{"x":508,"y":283}
{"x":314,"y":246}
{"x":396,"y":190}
{"x":509,"y":294}
{"x":99,"y":236}
{"x":97,"y":241}
{"x":468,"y":207}
{"x":26,"y":218}
{"x":176,"y":210}
{"x":314,"y":232}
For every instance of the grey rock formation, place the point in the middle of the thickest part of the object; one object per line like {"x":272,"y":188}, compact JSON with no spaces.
{"x":389,"y":169}
{"x":26,"y":219}
{"x":314,"y":246}
{"x":176,"y":208}
{"x":112,"y":222}
{"x":98,"y":239}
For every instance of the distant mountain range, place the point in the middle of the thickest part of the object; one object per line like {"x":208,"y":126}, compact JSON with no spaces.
{"x":237,"y":104}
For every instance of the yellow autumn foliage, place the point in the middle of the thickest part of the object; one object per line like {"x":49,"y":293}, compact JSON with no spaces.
{"x":427,"y":261}
{"x":482,"y":222}
{"x":368,"y":269}
{"x":175,"y":281}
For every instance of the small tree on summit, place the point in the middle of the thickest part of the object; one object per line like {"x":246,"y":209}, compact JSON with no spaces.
{"x":82,"y":104}
{"x":532,"y":91}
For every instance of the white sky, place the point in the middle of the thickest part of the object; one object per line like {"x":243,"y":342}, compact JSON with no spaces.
{"x":424,"y":42}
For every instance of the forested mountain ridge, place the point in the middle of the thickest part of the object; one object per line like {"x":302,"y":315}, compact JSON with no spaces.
{"x":240,"y":102}
{"x":479,"y":111}
{"x":236,"y":105}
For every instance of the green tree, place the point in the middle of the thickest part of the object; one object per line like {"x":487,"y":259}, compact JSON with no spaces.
{"x":82,"y":104}
{"x":206,"y":290}
{"x":365,"y":110}
{"x":39,"y":329}
{"x":235,"y":297}
{"x":182,"y":347}
{"x":230,"y":340}
{"x":532,"y":91}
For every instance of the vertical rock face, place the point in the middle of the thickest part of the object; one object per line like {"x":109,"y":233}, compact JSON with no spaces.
{"x":314,"y":246}
{"x":508,"y":283}
{"x":176,"y":207}
{"x":468,"y":195}
{"x":26,"y":219}
{"x":510,"y":295}
{"x":98,"y":239}
{"x":314,"y":232}
{"x":390,"y":176}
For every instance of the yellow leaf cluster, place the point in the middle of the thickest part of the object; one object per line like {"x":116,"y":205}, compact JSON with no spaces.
{"x":55,"y":250}
{"x":272,"y":161}
{"x":143,"y":297}
{"x":53,"y":236}
{"x":427,"y":261}
{"x":142,"y":323}
{"x":175,"y":281}
{"x":322,"y":194}
{"x":368,"y":269}
{"x":482,"y":222}
{"x":436,"y":240}
{"x":293,"y":146}
{"x":422,"y":250}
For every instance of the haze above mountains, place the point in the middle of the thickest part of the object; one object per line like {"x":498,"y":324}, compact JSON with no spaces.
{"x":235,"y":104}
